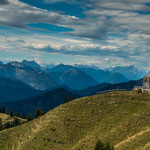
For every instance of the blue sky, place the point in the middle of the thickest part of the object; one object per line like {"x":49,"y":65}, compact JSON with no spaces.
{"x":93,"y":32}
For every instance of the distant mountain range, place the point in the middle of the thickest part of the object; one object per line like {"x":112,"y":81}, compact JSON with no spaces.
{"x":30,"y":76}
{"x":51,"y":98}
{"x":102,"y":76}
{"x":71,"y":77}
{"x":32,"y":64}
{"x":130,"y":72}
{"x":86,"y":66}
{"x":79,"y":78}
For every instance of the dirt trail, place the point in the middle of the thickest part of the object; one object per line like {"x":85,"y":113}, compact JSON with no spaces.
{"x":133,"y":137}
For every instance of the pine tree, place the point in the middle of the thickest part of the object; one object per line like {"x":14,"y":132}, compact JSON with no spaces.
{"x":65,"y":100}
{"x":3,"y":109}
{"x":29,"y":117}
{"x":11,"y":113}
{"x":37,"y":113}
{"x":70,"y":98}
{"x":41,"y":112}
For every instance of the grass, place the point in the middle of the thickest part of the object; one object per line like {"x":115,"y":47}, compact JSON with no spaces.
{"x":121,"y":118}
{"x":7,"y":118}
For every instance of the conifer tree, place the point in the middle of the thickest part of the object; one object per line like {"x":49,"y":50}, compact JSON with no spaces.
{"x":3,"y":109}
{"x":37,"y":113}
{"x":65,"y":100}
{"x":29,"y":117}
{"x":11,"y":113}
{"x":41,"y":111}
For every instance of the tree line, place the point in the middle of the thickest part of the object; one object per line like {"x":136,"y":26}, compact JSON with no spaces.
{"x":68,"y":99}
{"x":39,"y":112}
{"x":9,"y":124}
{"x":29,"y":116}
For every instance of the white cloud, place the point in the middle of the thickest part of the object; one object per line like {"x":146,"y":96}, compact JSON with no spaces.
{"x":111,"y":29}
{"x":19,"y":14}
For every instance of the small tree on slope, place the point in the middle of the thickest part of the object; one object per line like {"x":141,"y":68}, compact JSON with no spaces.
{"x":101,"y":146}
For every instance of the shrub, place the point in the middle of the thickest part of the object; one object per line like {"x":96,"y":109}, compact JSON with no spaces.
{"x":101,"y":146}
{"x":139,"y":91}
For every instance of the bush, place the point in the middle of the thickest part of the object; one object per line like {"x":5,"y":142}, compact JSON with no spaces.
{"x":139,"y":91}
{"x":101,"y":146}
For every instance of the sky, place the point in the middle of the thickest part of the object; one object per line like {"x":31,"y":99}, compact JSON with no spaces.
{"x":103,"y":33}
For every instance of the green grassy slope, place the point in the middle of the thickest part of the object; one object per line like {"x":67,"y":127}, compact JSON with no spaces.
{"x":7,"y":118}
{"x":121,"y":118}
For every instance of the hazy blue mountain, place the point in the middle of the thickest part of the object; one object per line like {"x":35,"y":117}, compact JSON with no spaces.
{"x":47,"y":101}
{"x":62,"y":73}
{"x":12,"y":89}
{"x":62,"y":68}
{"x":27,"y":74}
{"x":86,"y":66}
{"x":32,"y":64}
{"x":47,"y":67}
{"x":102,"y":76}
{"x":71,"y":77}
{"x":76,"y":79}
{"x":130,"y":72}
